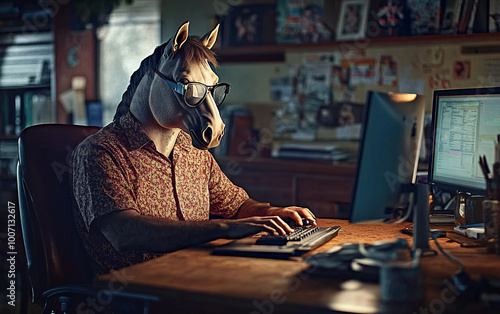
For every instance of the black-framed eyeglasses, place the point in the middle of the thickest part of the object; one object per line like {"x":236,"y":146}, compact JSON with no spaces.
{"x":194,"y":92}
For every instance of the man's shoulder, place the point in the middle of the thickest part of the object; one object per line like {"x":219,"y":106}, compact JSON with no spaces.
{"x":107,"y":138}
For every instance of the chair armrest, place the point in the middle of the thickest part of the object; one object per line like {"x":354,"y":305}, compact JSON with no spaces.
{"x":89,"y":290}
{"x":125,"y":301}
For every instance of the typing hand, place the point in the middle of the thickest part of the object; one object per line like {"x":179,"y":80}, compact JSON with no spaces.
{"x":239,"y":228}
{"x":294,"y":213}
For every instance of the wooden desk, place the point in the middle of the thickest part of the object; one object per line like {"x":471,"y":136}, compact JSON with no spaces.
{"x":193,"y":281}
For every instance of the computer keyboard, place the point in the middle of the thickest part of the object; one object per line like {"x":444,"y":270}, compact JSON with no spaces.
{"x":303,"y":239}
{"x":298,"y":234}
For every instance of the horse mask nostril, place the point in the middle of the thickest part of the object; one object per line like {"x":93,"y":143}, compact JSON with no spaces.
{"x":221,"y":135}
{"x":207,"y":134}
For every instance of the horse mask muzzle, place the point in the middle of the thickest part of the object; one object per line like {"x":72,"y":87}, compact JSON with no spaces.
{"x":205,"y":126}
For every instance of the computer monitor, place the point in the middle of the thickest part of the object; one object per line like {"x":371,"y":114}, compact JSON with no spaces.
{"x":466,"y":123}
{"x":388,"y":153}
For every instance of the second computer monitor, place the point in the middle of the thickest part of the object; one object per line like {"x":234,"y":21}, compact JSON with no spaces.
{"x":466,"y":124}
{"x":388,"y":153}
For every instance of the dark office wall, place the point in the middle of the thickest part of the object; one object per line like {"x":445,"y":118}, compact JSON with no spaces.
{"x":65,"y":40}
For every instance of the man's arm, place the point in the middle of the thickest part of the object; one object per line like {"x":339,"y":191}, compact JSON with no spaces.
{"x":127,"y":230}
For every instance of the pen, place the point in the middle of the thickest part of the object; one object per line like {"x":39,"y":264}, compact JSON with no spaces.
{"x":496,"y":181}
{"x":497,"y":149}
{"x":484,"y":167}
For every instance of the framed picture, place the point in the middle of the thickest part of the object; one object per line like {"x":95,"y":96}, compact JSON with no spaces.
{"x":352,"y":19}
{"x":244,"y":25}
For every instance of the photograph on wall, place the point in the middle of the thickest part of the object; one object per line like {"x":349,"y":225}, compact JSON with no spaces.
{"x":388,"y":71}
{"x":461,"y":70}
{"x":352,"y":20}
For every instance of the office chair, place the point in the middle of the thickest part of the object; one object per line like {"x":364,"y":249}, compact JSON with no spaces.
{"x":58,"y":265}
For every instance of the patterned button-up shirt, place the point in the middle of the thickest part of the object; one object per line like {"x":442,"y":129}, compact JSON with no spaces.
{"x":119,"y":168}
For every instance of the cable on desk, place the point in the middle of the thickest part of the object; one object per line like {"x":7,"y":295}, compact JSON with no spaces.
{"x":449,"y":256}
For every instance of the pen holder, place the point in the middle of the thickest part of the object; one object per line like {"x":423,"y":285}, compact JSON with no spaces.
{"x":400,"y":283}
{"x":491,"y":216}
{"x":468,"y":209}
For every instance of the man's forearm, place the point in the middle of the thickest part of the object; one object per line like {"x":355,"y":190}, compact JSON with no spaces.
{"x":128,"y":231}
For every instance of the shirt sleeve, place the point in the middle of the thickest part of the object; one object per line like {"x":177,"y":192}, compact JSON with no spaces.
{"x":225,"y":197}
{"x":99,"y":184}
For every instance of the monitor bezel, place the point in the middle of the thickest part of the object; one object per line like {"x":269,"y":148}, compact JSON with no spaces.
{"x":445,"y":186}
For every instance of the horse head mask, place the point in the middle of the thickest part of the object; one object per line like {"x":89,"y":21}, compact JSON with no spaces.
{"x":182,"y":90}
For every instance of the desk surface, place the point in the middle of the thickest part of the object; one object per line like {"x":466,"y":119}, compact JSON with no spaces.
{"x":192,"y":280}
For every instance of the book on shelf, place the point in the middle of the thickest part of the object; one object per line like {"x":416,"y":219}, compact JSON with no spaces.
{"x":473,"y":17}
{"x":465,"y":16}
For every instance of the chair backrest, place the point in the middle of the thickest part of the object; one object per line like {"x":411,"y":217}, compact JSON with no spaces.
{"x":54,"y":250}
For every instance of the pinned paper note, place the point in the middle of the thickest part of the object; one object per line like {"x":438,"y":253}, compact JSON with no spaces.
{"x":414,"y":86}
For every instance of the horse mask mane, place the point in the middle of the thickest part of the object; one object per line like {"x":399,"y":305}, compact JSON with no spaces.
{"x":181,"y":59}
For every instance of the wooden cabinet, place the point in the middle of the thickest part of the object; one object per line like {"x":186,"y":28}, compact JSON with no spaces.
{"x":322,"y":187}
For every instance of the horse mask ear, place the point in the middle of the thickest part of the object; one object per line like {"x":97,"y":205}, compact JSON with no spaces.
{"x":180,"y":37}
{"x":209,"y":39}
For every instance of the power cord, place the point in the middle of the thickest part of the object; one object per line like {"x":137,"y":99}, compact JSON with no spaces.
{"x":461,"y":279}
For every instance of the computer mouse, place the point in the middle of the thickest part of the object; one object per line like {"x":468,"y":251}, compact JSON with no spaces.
{"x":306,"y":222}
{"x":292,"y":223}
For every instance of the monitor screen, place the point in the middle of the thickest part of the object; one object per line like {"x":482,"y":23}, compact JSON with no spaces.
{"x":466,"y":123}
{"x":388,"y":153}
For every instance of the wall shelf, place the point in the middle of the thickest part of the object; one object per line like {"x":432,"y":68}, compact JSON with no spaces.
{"x":276,"y":53}
{"x":26,"y":87}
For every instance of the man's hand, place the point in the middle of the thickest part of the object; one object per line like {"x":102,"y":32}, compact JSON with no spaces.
{"x":253,"y":208}
{"x":239,"y":228}
{"x":293,"y":212}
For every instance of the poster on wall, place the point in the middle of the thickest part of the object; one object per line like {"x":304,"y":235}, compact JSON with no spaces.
{"x":362,"y":72}
{"x":491,"y":72}
{"x":244,"y":25}
{"x":391,"y":17}
{"x":424,"y":16}
{"x":451,"y":15}
{"x":301,"y":21}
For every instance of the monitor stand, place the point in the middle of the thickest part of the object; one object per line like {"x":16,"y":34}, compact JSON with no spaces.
{"x":421,"y":229}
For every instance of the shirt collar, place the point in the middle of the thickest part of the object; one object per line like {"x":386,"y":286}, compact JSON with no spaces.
{"x":134,"y":133}
{"x":184,"y":141}
{"x":137,"y":138}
